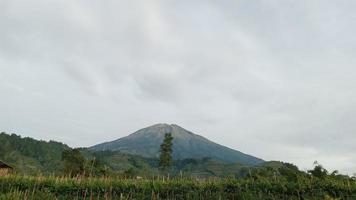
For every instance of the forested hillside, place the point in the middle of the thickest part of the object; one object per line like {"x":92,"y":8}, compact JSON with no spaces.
{"x":31,"y":156}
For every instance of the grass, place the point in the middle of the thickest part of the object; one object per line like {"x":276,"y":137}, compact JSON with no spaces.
{"x":17,"y":187}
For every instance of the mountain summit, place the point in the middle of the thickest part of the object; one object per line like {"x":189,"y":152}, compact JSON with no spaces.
{"x":146,"y":142}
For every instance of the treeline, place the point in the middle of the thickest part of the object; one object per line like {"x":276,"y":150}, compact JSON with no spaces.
{"x":60,"y":172}
{"x":32,"y":157}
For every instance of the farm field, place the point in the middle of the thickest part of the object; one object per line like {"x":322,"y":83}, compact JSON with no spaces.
{"x":50,"y":187}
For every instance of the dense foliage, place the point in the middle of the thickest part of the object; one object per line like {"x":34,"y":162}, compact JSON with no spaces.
{"x":165,"y":157}
{"x":31,"y":156}
{"x":73,"y":162}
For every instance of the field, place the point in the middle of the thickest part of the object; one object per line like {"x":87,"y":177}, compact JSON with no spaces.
{"x":16,"y":187}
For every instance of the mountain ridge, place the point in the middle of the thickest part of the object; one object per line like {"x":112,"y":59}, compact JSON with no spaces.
{"x":186,"y":144}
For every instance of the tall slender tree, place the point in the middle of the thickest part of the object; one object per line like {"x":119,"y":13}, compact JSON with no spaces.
{"x":165,"y":159}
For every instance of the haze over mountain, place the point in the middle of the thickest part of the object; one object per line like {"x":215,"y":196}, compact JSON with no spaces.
{"x":146,"y":142}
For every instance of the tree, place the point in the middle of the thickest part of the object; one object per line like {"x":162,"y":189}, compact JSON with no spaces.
{"x":165,"y":159}
{"x":95,"y":167}
{"x":73,"y":162}
{"x":319,"y":171}
{"x":289,"y":171}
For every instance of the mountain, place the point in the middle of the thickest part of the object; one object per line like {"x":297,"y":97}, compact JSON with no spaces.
{"x":146,"y":142}
{"x":30,"y":156}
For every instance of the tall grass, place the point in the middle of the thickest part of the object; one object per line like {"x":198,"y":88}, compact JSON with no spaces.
{"x":17,"y":187}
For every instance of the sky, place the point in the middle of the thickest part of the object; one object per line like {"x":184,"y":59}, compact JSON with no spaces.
{"x":274,"y":79}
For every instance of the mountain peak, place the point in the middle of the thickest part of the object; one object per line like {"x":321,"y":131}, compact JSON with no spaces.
{"x":146,"y":142}
{"x":159,"y":125}
{"x":162,"y":129}
{"x":164,"y":125}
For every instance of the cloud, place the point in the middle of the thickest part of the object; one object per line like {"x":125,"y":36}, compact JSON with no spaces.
{"x":263,"y":77}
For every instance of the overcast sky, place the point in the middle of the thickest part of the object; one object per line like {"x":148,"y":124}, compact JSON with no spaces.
{"x":275,"y":79}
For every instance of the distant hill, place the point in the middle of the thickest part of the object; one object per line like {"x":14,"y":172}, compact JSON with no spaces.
{"x":146,"y":142}
{"x":31,"y":156}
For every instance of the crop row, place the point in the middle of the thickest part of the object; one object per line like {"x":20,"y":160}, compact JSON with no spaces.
{"x":108,"y":188}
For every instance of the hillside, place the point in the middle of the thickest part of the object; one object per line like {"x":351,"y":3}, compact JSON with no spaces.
{"x":31,"y":156}
{"x":206,"y":167}
{"x":146,"y":142}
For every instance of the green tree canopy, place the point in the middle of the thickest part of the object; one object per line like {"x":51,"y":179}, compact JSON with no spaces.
{"x":73,"y":162}
{"x":165,"y":159}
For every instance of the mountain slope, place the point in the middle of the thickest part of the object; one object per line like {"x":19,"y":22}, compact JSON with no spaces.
{"x":31,"y":156}
{"x":146,"y":142}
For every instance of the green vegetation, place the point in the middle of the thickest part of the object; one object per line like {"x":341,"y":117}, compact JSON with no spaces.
{"x":165,"y":158}
{"x":30,"y":156}
{"x":51,"y":170}
{"x":256,"y":187}
{"x":73,"y":162}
